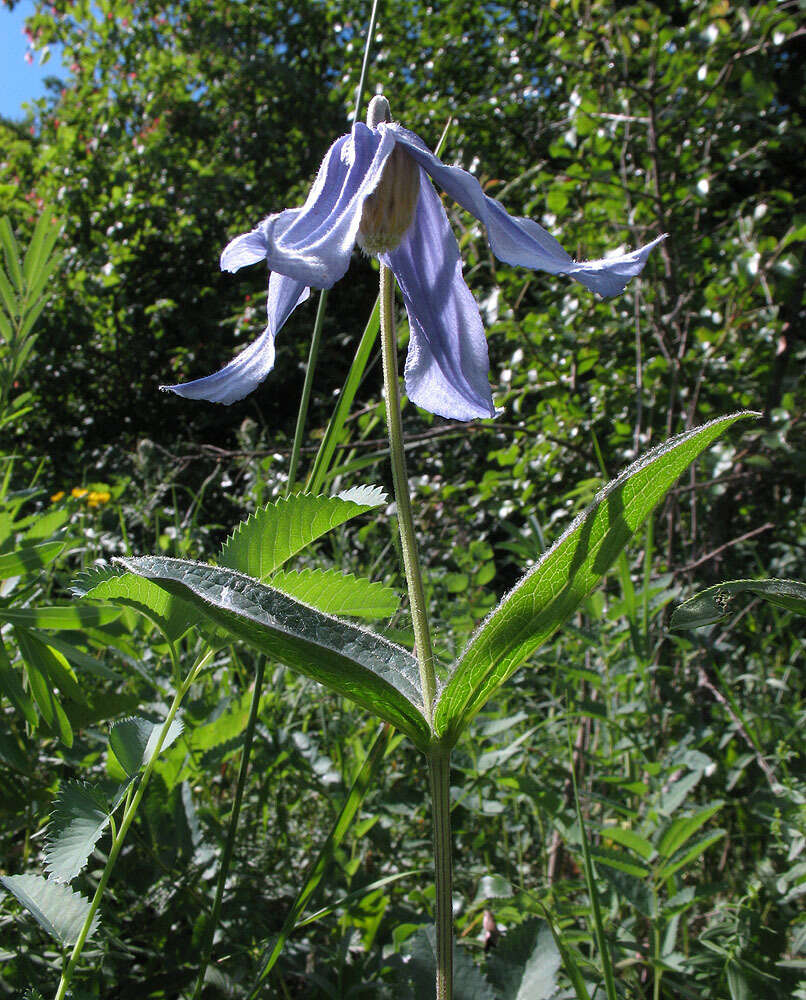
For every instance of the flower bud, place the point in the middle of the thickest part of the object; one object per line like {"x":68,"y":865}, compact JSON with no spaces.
{"x":389,"y":210}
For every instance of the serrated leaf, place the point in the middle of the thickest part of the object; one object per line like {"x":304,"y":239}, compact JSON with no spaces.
{"x":79,"y":818}
{"x":526,"y":963}
{"x":683,"y":828}
{"x":24,"y":560}
{"x":364,"y":667}
{"x":275,"y":532}
{"x":55,"y":907}
{"x":716,"y":604}
{"x":338,"y":593}
{"x":133,"y":741}
{"x":366,"y":496}
{"x":567,"y":572}
{"x":172,"y":616}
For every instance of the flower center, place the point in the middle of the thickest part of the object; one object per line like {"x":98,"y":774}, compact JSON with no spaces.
{"x":389,"y":210}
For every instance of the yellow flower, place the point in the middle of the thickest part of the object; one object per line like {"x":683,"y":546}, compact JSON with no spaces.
{"x":78,"y":492}
{"x":57,"y":496}
{"x":98,"y":499}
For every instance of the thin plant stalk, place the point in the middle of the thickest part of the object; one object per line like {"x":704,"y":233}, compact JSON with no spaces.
{"x":408,"y":541}
{"x":129,"y":813}
{"x":438,"y":756}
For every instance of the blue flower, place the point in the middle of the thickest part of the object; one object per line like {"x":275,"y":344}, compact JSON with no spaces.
{"x":374,"y":188}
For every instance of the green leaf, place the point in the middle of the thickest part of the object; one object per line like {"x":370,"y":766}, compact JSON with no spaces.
{"x":716,"y":603}
{"x":55,"y":907}
{"x":80,"y":815}
{"x":11,"y":252}
{"x":619,"y":860}
{"x":44,"y":237}
{"x":370,"y":670}
{"x":52,"y":663}
{"x":683,"y":828}
{"x":275,"y":532}
{"x":526,"y":963}
{"x":338,"y":593}
{"x":133,"y":741}
{"x":11,"y":687}
{"x":468,"y":981}
{"x":67,"y":617}
{"x":689,"y":854}
{"x":7,"y":295}
{"x":172,"y":616}
{"x":42,"y":688}
{"x":25,"y":560}
{"x":554,"y":588}
{"x":335,"y":432}
{"x":629,"y":838}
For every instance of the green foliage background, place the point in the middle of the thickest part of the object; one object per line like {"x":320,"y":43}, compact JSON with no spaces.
{"x":180,"y":125}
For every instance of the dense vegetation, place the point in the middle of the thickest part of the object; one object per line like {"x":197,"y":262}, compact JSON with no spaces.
{"x":180,"y":125}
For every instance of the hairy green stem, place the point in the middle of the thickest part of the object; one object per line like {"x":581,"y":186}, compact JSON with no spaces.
{"x":229,"y":846}
{"x":128,"y":816}
{"x":439,"y":775}
{"x":408,"y":541}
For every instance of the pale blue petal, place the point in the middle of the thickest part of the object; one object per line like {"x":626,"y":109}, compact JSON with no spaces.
{"x":447,"y":368}
{"x":313,"y":244}
{"x":246,"y":371}
{"x":521,"y":241}
{"x":248,"y":248}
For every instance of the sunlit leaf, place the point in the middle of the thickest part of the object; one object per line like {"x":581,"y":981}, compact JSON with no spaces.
{"x":370,"y":670}
{"x":572,"y":567}
{"x":172,"y":616}
{"x":275,"y":532}
{"x":338,"y":593}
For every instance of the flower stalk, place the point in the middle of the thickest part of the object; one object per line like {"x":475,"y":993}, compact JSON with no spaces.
{"x":411,"y":562}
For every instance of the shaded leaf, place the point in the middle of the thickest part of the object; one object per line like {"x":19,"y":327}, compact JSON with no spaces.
{"x":77,"y":822}
{"x":365,"y":667}
{"x":55,"y":907}
{"x":133,"y":741}
{"x":526,"y":963}
{"x":716,"y":604}
{"x":468,"y":981}
{"x":32,"y":557}
{"x":68,"y":617}
{"x":566,"y":573}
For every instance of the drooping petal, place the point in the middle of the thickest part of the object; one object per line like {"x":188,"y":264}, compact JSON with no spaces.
{"x":447,"y":368}
{"x":521,"y":241}
{"x":246,"y":371}
{"x":313,"y":244}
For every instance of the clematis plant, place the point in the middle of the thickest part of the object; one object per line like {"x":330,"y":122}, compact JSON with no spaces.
{"x":374,"y":189}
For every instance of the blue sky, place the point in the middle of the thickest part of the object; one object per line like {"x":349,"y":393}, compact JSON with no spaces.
{"x":20,"y":81}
